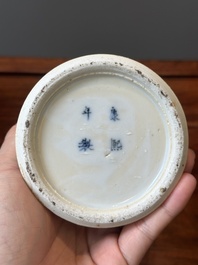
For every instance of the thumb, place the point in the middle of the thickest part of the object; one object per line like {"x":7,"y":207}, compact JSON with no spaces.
{"x":7,"y":150}
{"x":136,"y":238}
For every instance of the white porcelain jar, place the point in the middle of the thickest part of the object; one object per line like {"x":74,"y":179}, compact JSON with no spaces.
{"x":101,"y":140}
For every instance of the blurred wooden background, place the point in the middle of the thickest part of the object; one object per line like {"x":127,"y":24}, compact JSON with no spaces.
{"x":178,"y":243}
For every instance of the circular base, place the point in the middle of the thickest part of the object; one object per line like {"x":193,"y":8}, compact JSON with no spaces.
{"x":101,"y":140}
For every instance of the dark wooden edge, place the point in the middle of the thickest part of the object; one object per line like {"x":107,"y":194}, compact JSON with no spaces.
{"x":15,"y":65}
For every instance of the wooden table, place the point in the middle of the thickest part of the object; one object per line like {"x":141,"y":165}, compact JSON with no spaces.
{"x":178,"y":244}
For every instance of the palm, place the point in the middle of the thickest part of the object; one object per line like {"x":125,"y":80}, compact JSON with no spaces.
{"x":48,"y":239}
{"x":30,"y":234}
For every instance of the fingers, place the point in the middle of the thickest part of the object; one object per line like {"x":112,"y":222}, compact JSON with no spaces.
{"x":7,"y":150}
{"x":135,"y":239}
{"x":190,"y":161}
{"x":9,"y":139}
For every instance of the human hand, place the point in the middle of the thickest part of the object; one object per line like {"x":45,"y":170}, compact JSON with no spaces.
{"x":31,"y":234}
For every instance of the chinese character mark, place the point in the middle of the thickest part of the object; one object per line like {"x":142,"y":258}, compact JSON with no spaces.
{"x":116,"y":145}
{"x":114,"y":114}
{"x":85,"y":145}
{"x":87,"y":112}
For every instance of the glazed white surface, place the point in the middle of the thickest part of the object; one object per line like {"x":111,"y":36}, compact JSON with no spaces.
{"x":100,"y":187}
{"x":100,"y":177}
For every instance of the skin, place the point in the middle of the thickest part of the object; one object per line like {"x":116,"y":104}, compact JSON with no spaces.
{"x":30,"y":234}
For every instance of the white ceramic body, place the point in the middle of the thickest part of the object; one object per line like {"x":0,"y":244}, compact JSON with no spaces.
{"x":101,"y":140}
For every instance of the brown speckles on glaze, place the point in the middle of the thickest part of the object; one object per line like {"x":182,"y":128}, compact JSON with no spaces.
{"x":148,"y":79}
{"x":176,"y":114}
{"x":163,"y":190}
{"x":27,"y":124}
{"x":163,"y":94}
{"x":162,"y":98}
{"x":29,"y":171}
{"x":116,"y":63}
{"x":43,"y":89}
{"x":172,"y":104}
{"x":140,"y":73}
{"x":80,"y":217}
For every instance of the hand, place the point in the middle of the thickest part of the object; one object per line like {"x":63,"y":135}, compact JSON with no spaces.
{"x":30,"y":234}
